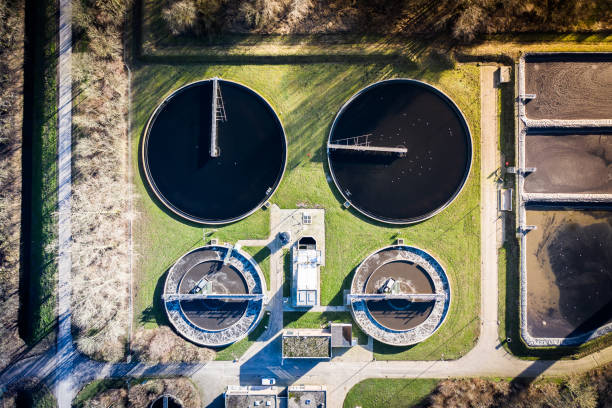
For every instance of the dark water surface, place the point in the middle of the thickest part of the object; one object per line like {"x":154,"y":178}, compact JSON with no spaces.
{"x":409,"y":114}
{"x":224,"y":188}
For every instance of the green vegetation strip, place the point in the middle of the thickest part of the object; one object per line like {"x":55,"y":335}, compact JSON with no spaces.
{"x":261,"y":255}
{"x":307,"y":98}
{"x":41,"y":291}
{"x":395,"y":393}
{"x":236,"y":350}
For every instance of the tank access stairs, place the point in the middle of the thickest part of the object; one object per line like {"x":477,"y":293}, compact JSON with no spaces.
{"x":217,"y":115}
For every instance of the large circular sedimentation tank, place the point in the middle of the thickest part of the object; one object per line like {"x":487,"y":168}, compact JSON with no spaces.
{"x":251,"y":151}
{"x":432,"y":157}
{"x":213,"y":297}
{"x":400,"y":295}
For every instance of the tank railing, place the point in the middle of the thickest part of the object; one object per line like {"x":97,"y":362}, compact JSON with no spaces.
{"x":195,"y":296}
{"x":413,"y":297}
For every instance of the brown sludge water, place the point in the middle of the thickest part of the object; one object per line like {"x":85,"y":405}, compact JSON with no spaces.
{"x":213,"y":314}
{"x":575,"y":86}
{"x":399,"y":314}
{"x":569,"y":272}
{"x":569,"y":163}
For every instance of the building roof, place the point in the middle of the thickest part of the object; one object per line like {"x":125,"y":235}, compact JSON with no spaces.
{"x":306,"y":344}
{"x":306,"y":276}
{"x":306,"y":397}
{"x":254,"y":396}
{"x":342,"y":334}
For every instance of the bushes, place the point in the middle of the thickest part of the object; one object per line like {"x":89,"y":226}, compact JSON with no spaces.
{"x":162,"y":345}
{"x":11,"y":101}
{"x":28,"y":393}
{"x":142,"y":392}
{"x":101,"y":193}
{"x":585,"y":391}
{"x":464,"y":20}
{"x":181,"y":16}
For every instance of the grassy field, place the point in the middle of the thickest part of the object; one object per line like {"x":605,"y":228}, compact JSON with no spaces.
{"x":307,"y":97}
{"x":319,"y":320}
{"x":236,"y":350}
{"x":38,"y":289}
{"x":261,"y":255}
{"x":389,"y":393}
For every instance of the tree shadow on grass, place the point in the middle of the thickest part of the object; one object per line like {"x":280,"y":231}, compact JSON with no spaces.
{"x":155,"y":313}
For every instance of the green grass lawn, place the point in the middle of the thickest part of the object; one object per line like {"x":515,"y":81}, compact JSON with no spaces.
{"x":389,"y":393}
{"x":307,"y":98}
{"x":261,"y":255}
{"x":320,"y":320}
{"x":39,"y":295}
{"x":236,"y":350}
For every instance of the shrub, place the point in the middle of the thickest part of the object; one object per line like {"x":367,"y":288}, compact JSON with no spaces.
{"x":181,"y":16}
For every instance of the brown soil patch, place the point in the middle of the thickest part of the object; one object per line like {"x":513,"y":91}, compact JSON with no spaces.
{"x":569,"y":272}
{"x":576,"y":88}
{"x":569,"y":163}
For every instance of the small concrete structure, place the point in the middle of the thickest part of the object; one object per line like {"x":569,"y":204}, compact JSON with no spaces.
{"x":305,"y":262}
{"x":503,"y":75}
{"x":237,"y":396}
{"x":307,"y":396}
{"x":505,"y":199}
{"x":306,"y":344}
{"x":342,"y":334}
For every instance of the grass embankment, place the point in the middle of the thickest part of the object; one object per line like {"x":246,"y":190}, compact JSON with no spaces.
{"x":236,"y":350}
{"x":261,"y":255}
{"x":38,"y":288}
{"x":509,"y":253}
{"x":319,"y":320}
{"x":389,"y":393}
{"x":307,"y":97}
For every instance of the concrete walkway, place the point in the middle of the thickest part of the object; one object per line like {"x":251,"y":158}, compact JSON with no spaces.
{"x":488,"y":358}
{"x":64,"y":389}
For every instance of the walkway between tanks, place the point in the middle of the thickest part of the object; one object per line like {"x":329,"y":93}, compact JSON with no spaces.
{"x":487,"y":358}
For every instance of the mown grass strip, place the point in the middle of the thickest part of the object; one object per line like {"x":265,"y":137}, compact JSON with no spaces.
{"x":389,"y":393}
